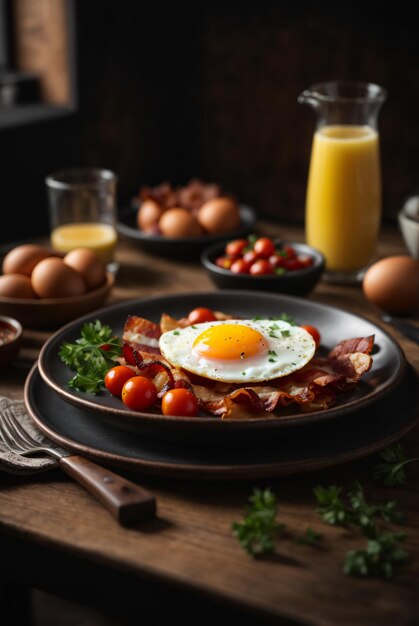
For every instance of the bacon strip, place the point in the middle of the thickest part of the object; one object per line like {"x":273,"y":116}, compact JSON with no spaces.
{"x":351,"y":357}
{"x":306,"y":388}
{"x":131,"y":355}
{"x":142,"y":334}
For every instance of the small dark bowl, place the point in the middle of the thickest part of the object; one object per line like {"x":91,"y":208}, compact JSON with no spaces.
{"x":296,"y":282}
{"x":183,"y":248}
{"x":10,"y":348}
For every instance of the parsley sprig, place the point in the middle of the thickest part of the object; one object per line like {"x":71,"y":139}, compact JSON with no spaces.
{"x":378,"y":558}
{"x":334,"y":510}
{"x":257,"y":532}
{"x":91,"y":356}
{"x":391,"y":470}
{"x":310,"y":538}
{"x":382,"y":551}
{"x":259,"y":528}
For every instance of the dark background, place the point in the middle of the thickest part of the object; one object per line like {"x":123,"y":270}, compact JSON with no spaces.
{"x":168,"y":91}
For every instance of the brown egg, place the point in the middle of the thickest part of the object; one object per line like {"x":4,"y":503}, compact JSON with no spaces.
{"x":16,"y":286}
{"x":392,"y":284}
{"x":178,"y":222}
{"x":148,"y":215}
{"x":52,"y":278}
{"x":88,"y":265}
{"x":219,"y":215}
{"x":22,"y":259}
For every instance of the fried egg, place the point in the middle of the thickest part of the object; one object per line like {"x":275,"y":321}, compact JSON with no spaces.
{"x":239,"y":351}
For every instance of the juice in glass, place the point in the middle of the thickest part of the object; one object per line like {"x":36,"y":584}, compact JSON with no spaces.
{"x":99,"y":237}
{"x":82,"y":205}
{"x":343,"y":208}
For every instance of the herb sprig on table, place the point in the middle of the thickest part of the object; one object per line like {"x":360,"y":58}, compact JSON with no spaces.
{"x":382,"y":553}
{"x":259,"y":528}
{"x":391,"y":470}
{"x":91,"y":356}
{"x":257,"y":532}
{"x":383,"y":550}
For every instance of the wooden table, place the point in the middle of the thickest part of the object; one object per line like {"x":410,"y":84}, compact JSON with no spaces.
{"x":55,"y":536}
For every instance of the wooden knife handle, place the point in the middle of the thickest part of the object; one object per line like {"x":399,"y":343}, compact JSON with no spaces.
{"x":127,"y":502}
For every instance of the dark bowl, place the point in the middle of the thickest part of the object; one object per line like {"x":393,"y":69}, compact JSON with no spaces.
{"x":10,"y":344}
{"x":296,"y":282}
{"x":187,"y":248}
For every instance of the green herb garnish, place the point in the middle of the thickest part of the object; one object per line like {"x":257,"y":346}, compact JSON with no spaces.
{"x":331,"y":507}
{"x":310,"y":538}
{"x":284,"y":317}
{"x":257,"y":532}
{"x":382,"y":551}
{"x":337,"y":512}
{"x":378,"y":558}
{"x":91,"y":356}
{"x":391,"y":471}
{"x":176,"y":332}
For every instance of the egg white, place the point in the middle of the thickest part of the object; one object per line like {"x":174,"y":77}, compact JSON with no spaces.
{"x":289,"y":349}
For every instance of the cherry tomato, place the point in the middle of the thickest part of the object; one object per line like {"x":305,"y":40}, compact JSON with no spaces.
{"x":139,"y":393}
{"x":236,"y":247}
{"x":224,"y":261}
{"x":289,"y":251}
{"x":106,"y":347}
{"x":305,"y":259}
{"x":201,"y":314}
{"x":261,"y":266}
{"x":240,"y":267}
{"x":277,"y":261}
{"x":116,"y":378}
{"x":264,"y":247}
{"x":313,"y":332}
{"x":293,"y":264}
{"x":179,"y":402}
{"x":250,"y":256}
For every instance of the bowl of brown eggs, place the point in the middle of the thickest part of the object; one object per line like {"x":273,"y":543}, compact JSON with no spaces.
{"x":179,"y":222}
{"x":44,"y":289}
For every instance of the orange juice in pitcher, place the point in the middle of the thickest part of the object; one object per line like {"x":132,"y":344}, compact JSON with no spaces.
{"x":343,"y":204}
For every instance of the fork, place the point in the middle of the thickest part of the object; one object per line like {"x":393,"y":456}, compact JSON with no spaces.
{"x":126,"y":501}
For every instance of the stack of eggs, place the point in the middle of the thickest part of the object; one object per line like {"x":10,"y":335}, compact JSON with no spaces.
{"x":194,"y":210}
{"x":31,"y":271}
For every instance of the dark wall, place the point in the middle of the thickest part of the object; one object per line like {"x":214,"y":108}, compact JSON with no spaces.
{"x":173,"y":90}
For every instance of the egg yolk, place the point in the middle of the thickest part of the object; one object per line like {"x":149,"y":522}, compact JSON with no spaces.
{"x":229,"y":342}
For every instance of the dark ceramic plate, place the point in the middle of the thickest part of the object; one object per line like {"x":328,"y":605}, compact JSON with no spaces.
{"x":334,"y":325}
{"x":189,"y":248}
{"x":323,"y":445}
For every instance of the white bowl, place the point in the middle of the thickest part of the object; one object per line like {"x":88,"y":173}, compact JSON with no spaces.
{"x":409,"y":225}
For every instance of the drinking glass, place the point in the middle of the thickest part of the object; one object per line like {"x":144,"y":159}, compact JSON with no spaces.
{"x":343,"y":203}
{"x":82,"y":211}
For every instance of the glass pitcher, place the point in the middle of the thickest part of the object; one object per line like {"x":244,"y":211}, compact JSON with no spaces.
{"x":343,"y":204}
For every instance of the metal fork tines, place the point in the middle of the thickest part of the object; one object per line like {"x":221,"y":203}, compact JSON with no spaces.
{"x":19,"y":440}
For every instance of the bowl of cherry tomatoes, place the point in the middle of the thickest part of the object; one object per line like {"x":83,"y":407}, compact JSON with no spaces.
{"x":264,"y":264}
